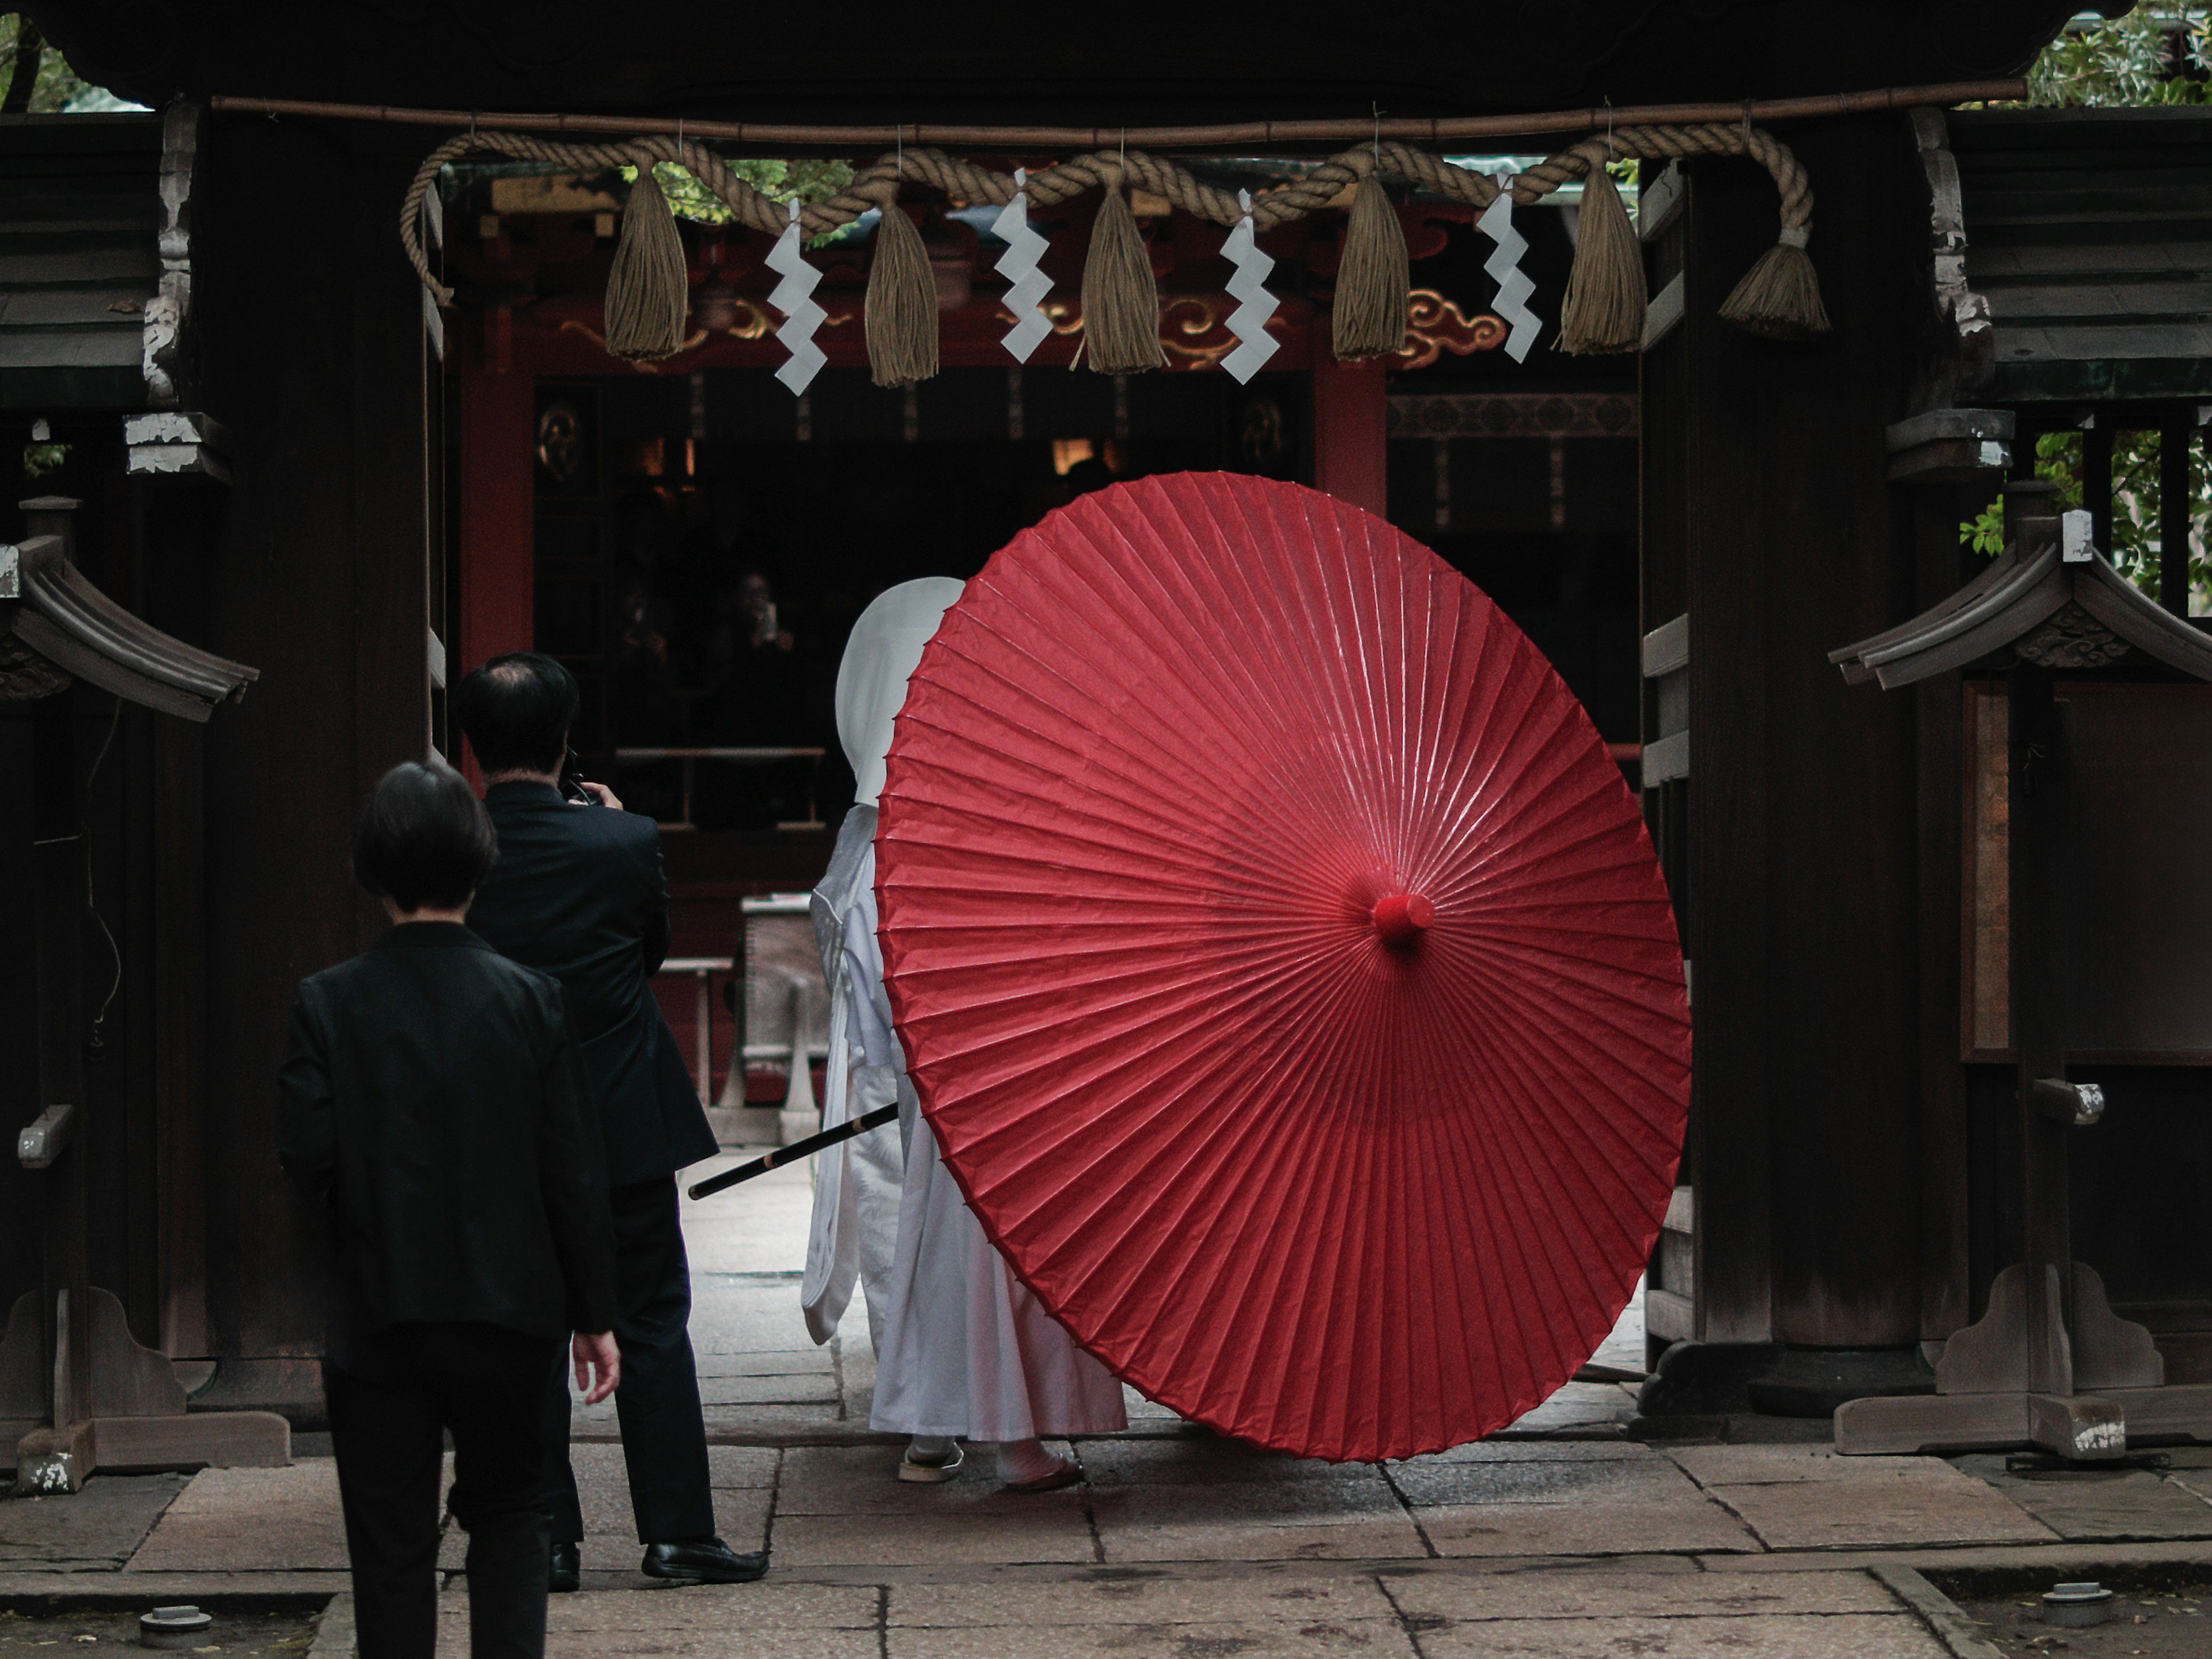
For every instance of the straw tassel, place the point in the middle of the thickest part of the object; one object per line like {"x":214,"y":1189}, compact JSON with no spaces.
{"x":902,"y":302}
{"x":1780,"y":296}
{"x":1605,"y":310}
{"x":1372,"y":279}
{"x":1121,"y":300}
{"x":649,"y":284}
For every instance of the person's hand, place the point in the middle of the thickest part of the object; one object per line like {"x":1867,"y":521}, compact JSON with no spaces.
{"x":600,"y":792}
{"x":599,"y":1364}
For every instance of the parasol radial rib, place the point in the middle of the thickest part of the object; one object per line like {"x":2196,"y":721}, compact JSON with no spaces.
{"x":1345,"y":1196}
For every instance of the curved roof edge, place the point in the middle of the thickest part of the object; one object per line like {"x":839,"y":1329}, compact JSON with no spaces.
{"x":57,"y":612}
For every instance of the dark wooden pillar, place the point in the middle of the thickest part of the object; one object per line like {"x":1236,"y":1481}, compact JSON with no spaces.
{"x":314,"y":343}
{"x":2035,"y":831}
{"x":1804,"y":929}
{"x":496,"y":484}
{"x":179,"y":1034}
{"x":57,"y":856}
{"x":1939,"y":713}
{"x":1351,"y":430}
{"x":390,"y":382}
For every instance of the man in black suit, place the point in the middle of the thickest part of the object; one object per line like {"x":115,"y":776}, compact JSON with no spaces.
{"x":433,"y":1103}
{"x":578,"y":893}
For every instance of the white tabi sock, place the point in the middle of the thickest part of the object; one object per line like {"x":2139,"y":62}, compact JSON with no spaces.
{"x":1024,"y":1460}
{"x":931,"y":1450}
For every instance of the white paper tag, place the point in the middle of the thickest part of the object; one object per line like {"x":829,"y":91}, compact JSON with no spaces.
{"x":1026,"y":285}
{"x":1247,"y":285}
{"x":794,"y":297}
{"x":1514,"y":284}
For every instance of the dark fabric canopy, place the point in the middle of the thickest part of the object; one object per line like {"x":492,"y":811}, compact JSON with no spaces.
{"x":1065,"y":63}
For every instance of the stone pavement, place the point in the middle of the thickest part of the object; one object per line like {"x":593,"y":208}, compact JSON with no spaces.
{"x":1562,"y":1537}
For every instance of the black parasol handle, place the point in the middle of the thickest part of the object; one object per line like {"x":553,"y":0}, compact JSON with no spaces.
{"x":797,"y":1150}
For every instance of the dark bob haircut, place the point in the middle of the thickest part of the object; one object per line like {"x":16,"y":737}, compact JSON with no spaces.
{"x":425,"y":840}
{"x":517,"y":711}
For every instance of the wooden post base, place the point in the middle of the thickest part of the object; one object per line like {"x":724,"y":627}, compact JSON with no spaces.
{"x":2083,"y":1426}
{"x":49,"y":1460}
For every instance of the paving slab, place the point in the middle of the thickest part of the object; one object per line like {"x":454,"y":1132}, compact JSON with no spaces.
{"x":2096,"y":1504}
{"x":1917,"y":1512}
{"x":1199,"y":1459}
{"x":252,"y":1520}
{"x":742,"y":1466}
{"x":2056,"y":1556}
{"x":1156,"y":1596}
{"x":1580,"y":1409}
{"x":759,"y":1227}
{"x":821,"y":1361}
{"x":1847,"y":1636}
{"x":1540,"y":1451}
{"x":612,"y":1553}
{"x":770,"y":1419}
{"x":93,"y":1530}
{"x":739,"y":1330}
{"x":1603,"y":1593}
{"x":1253,"y":1503}
{"x":864,"y":1480}
{"x":856,"y":1364}
{"x":767,"y":1620}
{"x":886,"y":1539}
{"x":1367,"y":1639}
{"x":813,"y":1387}
{"x":146,"y":1589}
{"x":844,"y":1505}
{"x":1137,"y":1524}
{"x":1560,"y":1480}
{"x":1612,"y":1526}
{"x":1141,"y":1411}
{"x":1737,"y":1466}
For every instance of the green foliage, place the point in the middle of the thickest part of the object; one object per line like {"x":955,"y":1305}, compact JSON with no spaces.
{"x":39,"y":459}
{"x":2156,"y":54}
{"x":810,"y":181}
{"x":57,"y":88}
{"x":1984,"y":532}
{"x":2136,"y":502}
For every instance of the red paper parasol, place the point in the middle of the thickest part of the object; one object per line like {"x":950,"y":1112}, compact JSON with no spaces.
{"x":1283,"y":966}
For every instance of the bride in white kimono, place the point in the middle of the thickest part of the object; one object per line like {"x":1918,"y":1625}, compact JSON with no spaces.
{"x":963,"y":1350}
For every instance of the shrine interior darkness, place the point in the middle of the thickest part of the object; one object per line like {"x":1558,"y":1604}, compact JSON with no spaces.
{"x":673,"y":511}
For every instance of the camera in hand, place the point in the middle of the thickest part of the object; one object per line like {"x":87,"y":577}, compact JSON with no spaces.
{"x":572,"y":780}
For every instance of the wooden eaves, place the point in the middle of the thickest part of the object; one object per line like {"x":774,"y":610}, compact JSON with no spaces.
{"x":48,"y":603}
{"x":2050,"y":598}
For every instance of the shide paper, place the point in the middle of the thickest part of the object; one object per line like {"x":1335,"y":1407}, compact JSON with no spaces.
{"x":794,"y":297}
{"x":1248,"y":286}
{"x":1026,"y":285}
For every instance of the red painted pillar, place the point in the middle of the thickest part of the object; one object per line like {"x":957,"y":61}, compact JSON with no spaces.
{"x":496,"y":413}
{"x":1351,"y":420}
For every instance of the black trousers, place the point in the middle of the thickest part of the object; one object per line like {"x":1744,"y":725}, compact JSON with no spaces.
{"x":664,"y":1437}
{"x":393,"y":1397}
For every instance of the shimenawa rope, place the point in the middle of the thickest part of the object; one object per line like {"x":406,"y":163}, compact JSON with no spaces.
{"x":1779,"y":297}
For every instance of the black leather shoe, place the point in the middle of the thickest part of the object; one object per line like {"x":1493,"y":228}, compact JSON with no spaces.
{"x":567,"y":1571}
{"x":702,"y":1561}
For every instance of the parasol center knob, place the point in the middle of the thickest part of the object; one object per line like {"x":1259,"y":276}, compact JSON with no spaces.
{"x":1401,"y":918}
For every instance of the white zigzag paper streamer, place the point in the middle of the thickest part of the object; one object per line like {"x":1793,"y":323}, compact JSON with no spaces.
{"x":1027,"y":285}
{"x":794,"y":297}
{"x":1248,"y":286}
{"x":1515,"y":285}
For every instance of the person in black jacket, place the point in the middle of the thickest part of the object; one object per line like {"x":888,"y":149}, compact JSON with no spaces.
{"x":434,"y":1101}
{"x":577,"y":892}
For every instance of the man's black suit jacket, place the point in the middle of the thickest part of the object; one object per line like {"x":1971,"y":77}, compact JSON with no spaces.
{"x":577,"y":893}
{"x":433,"y":1096}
